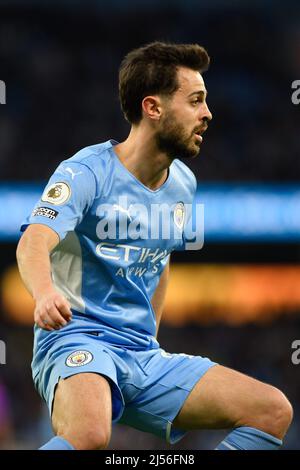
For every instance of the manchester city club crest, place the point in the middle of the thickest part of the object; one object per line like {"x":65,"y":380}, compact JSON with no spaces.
{"x":79,"y":358}
{"x":179,"y":215}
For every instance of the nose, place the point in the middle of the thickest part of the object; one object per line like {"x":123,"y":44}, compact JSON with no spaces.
{"x":207,"y":116}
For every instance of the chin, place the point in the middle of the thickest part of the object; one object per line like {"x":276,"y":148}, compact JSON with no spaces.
{"x":193,"y":152}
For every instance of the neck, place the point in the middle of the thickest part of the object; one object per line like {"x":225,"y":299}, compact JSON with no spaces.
{"x":140,"y":155}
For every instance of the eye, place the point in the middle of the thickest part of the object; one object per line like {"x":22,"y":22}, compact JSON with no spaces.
{"x":195,"y":102}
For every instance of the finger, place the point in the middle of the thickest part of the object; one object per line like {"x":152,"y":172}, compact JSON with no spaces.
{"x":46,"y":326}
{"x":48,"y":322}
{"x":56,"y":317}
{"x":64,"y":308}
{"x":43,"y":319}
{"x":44,"y":323}
{"x":38,"y":319}
{"x":47,"y":318}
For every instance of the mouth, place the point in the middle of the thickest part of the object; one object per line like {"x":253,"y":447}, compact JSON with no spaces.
{"x":198,"y":136}
{"x":199,"y":133}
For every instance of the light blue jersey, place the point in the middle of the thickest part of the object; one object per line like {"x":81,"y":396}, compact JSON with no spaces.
{"x":116,"y":236}
{"x":110,"y":282}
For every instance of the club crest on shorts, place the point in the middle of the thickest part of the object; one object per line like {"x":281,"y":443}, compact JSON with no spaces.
{"x":57,"y":193}
{"x":179,"y":215}
{"x":79,"y":358}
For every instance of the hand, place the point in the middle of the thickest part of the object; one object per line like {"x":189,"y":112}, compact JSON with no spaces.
{"x":52,"y":311}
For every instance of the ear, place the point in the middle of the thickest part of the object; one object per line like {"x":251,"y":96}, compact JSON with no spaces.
{"x":151,"y":106}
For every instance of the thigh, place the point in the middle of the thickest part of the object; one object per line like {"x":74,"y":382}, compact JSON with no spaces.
{"x":220,"y":398}
{"x":80,"y":400}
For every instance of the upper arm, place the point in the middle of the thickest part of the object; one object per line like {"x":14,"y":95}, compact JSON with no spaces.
{"x":37,"y":234}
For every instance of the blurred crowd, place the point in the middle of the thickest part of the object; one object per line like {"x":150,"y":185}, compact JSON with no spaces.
{"x":60,"y":65}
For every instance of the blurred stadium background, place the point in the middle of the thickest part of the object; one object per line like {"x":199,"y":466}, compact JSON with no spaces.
{"x":238,"y":299}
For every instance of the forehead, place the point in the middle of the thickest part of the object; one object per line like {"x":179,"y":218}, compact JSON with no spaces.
{"x":189,"y":81}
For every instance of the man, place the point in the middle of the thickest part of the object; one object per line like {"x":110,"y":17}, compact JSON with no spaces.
{"x":99,"y":299}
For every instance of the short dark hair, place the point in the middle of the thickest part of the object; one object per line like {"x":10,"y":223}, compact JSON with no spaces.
{"x":152,"y":69}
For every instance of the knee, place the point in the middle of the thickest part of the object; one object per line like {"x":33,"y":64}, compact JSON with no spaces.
{"x":274,"y":413}
{"x":89,"y":437}
{"x":281,"y":412}
{"x":95,"y":439}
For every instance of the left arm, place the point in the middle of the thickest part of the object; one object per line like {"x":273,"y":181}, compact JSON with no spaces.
{"x":160,"y":294}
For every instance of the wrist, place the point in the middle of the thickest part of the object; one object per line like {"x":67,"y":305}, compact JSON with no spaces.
{"x":42,"y":291}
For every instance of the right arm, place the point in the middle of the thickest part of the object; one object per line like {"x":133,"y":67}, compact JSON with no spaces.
{"x":52,"y":310}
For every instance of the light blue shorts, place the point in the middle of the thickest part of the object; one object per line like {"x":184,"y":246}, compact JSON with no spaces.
{"x":149,"y":387}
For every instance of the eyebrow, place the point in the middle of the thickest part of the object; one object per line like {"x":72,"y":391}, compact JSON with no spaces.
{"x":200,"y":92}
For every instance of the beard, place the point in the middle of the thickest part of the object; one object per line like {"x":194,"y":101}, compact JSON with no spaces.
{"x":175,"y":141}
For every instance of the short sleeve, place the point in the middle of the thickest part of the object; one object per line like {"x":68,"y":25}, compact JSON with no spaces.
{"x":67,"y":197}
